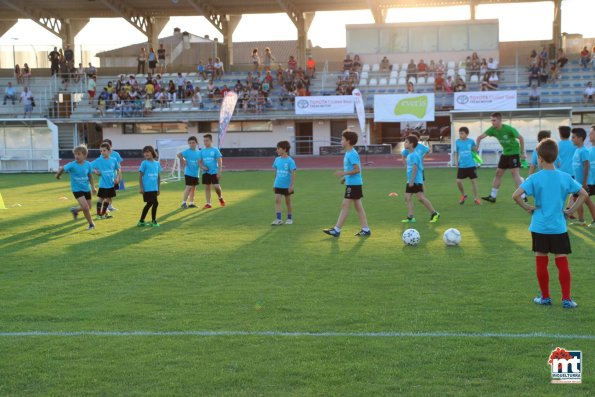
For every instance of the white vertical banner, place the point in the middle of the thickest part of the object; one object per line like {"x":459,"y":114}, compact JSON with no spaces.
{"x":227,"y":108}
{"x":361,"y":114}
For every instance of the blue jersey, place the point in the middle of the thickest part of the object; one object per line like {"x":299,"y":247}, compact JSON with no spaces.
{"x":349,"y":161}
{"x":117,"y":156}
{"x":414,"y":159}
{"x":592,"y":166}
{"x":578,"y":163}
{"x":421,"y":151}
{"x":191,"y":157}
{"x":550,"y":189}
{"x":150,"y":170}
{"x":79,"y":175}
{"x":210,"y":157}
{"x":565,"y":152}
{"x":107,"y":168}
{"x":464,"y":148}
{"x":284,"y":168}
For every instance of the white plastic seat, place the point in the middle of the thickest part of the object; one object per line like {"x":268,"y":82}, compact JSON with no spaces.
{"x":392,"y":81}
{"x":474,"y":79}
{"x":366,"y":67}
{"x":402,"y":74}
{"x":412,"y":80}
{"x":373,"y":82}
{"x":394,"y":74}
{"x":363,"y":82}
{"x":450,"y":65}
{"x":364,"y":75}
{"x":402,"y":81}
{"x":450,"y":72}
{"x":431,"y":80}
{"x":375,"y":67}
{"x":383,"y":81}
{"x":462,"y":72}
{"x":404,"y":67}
{"x":421,"y":80}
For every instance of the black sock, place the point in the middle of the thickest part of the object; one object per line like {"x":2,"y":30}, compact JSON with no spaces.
{"x":145,"y":211}
{"x":104,"y":208}
{"x":99,"y":208}
{"x":154,"y":211}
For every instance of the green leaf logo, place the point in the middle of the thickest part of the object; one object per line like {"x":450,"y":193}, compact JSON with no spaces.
{"x":415,"y":106}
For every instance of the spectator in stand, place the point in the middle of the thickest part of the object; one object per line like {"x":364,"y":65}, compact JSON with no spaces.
{"x":211,"y":89}
{"x":141,"y":60}
{"x":439,"y":82}
{"x":79,"y":73}
{"x":54,"y":58}
{"x":543,"y":75}
{"x":161,"y":58}
{"x":18,"y":75}
{"x":432,"y":69}
{"x":534,"y":95}
{"x":197,"y":98}
{"x":91,"y":88}
{"x":102,"y":102}
{"x":26,"y":72}
{"x":489,"y":83}
{"x":561,"y":58}
{"x":347,"y":63}
{"x":28,"y":100}
{"x":225,"y":90}
{"x":255,"y":59}
{"x":161,"y":98}
{"x":189,"y":90}
{"x":585,"y":57}
{"x":91,"y":70}
{"x":593,"y":56}
{"x":410,"y":88}
{"x":292,"y":63}
{"x":588,"y":94}
{"x":152,"y":58}
{"x":493,"y":80}
{"x":10,"y":93}
{"x":533,"y":60}
{"x":218,"y":68}
{"x":474,"y":68}
{"x":181,"y":84}
{"x":554,"y":73}
{"x":385,"y":64}
{"x":280,"y":72}
{"x":475,"y":57}
{"x":357,"y":64}
{"x":440,"y":67}
{"x":411,"y":70}
{"x":422,"y":69}
{"x":202,"y":71}
{"x":534,"y":75}
{"x":209,"y":68}
{"x":238,"y":88}
{"x":459,"y":85}
{"x":543,"y":58}
{"x":483,"y":67}
{"x":268,"y":59}
{"x":449,"y":84}
{"x":268,"y":78}
{"x":171,"y":91}
{"x":310,"y":67}
{"x":492,"y":65}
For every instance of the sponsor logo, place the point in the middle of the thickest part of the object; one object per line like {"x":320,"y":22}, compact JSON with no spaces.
{"x":415,"y":106}
{"x":566,"y":365}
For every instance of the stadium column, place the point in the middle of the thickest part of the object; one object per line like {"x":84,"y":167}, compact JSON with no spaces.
{"x":229,"y":28}
{"x":70,"y":28}
{"x":557,"y":24}
{"x":6,"y":24}
{"x":472,"y":7}
{"x":154,"y":26}
{"x":303,"y":26}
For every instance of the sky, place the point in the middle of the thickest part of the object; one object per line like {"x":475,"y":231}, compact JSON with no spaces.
{"x":328,"y":28}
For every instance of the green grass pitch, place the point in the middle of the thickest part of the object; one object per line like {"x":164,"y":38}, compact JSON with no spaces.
{"x":227,"y":269}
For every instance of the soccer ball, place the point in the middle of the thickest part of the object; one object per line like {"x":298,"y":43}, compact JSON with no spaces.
{"x":411,"y":237}
{"x":452,"y":237}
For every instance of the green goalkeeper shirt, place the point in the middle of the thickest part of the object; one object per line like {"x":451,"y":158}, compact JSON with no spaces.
{"x":508,"y":138}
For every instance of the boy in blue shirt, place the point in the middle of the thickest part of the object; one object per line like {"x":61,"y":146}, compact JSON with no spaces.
{"x":591,"y":182}
{"x":190,"y":158}
{"x":581,"y":168}
{"x":534,"y":165}
{"x":351,"y":176}
{"x":463,"y":159}
{"x":415,"y":183}
{"x":120,"y":160}
{"x":149,"y":180}
{"x":108,"y":170}
{"x":81,"y":177}
{"x":211,"y":163}
{"x":284,"y":180}
{"x":566,"y":150}
{"x":421,"y":151}
{"x":549,"y":234}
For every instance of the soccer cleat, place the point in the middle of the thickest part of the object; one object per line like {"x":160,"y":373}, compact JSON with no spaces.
{"x":155,"y":224}
{"x":277,"y":222}
{"x":107,"y":216}
{"x":222,"y":202}
{"x":477,"y":201}
{"x":184,"y":206}
{"x":363,"y":233}
{"x":91,"y":227}
{"x":289,"y":222}
{"x":569,"y":304}
{"x":578,"y":223}
{"x":110,"y":208}
{"x":489,"y":198}
{"x":207,"y":206}
{"x":434,"y":218}
{"x":141,"y":224}
{"x":192,"y":205}
{"x":409,"y":220}
{"x":542,"y":301}
{"x":332,"y":232}
{"x":74,"y":212}
{"x":98,"y":217}
{"x":462,"y":199}
{"x":592,"y":224}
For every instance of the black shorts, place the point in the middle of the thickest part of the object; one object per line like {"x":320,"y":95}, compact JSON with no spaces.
{"x":508,"y":161}
{"x":86,"y":195}
{"x":150,"y":197}
{"x":551,"y":243}
{"x":191,"y":180}
{"x":282,"y":191}
{"x":210,"y":179}
{"x":106,"y":192}
{"x":416,"y":188}
{"x":470,"y":173}
{"x":152,"y":64}
{"x":591,"y":190}
{"x":354,"y":192}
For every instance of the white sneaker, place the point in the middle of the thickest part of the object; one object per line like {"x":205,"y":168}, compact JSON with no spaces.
{"x":277,"y":222}
{"x":110,"y":208}
{"x":289,"y":222}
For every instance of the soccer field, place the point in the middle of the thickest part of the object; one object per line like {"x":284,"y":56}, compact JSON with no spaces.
{"x":219,"y":303}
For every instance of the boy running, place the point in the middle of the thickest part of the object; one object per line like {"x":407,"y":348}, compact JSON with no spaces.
{"x":120,"y":160}
{"x":415,"y":183}
{"x":211,"y":163}
{"x":190,"y":158}
{"x":81,"y":177}
{"x":550,"y":187}
{"x":108,"y":170}
{"x":513,"y":149}
{"x":284,"y":180}
{"x":351,"y":176}
{"x":149,"y":180}
{"x":463,"y":159}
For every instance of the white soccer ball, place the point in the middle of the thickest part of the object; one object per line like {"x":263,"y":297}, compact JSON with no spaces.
{"x":411,"y":237}
{"x":452,"y":237}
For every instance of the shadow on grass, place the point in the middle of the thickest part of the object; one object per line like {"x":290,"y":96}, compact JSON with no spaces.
{"x":42,"y":235}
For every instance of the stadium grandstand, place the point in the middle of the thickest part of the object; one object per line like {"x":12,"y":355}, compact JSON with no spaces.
{"x":184,"y":96}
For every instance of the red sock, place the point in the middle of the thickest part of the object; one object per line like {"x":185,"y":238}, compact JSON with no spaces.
{"x":543,"y":276}
{"x":564,"y":276}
